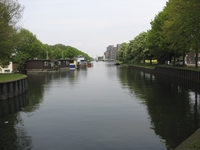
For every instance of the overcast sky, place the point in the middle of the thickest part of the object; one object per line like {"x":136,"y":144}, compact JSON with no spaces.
{"x":89,"y":25}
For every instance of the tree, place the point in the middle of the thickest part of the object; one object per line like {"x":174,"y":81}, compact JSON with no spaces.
{"x":137,"y":47}
{"x":122,"y":52}
{"x":29,"y":48}
{"x":69,"y":51}
{"x":72,"y":52}
{"x":156,"y":42}
{"x":57,"y":53}
{"x":183,"y":25}
{"x":10,"y":13}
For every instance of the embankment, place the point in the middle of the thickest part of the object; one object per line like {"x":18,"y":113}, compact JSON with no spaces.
{"x":13,"y":88}
{"x":189,"y":75}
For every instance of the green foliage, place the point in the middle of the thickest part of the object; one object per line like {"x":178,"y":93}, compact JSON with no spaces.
{"x":57,"y":53}
{"x":122,"y":52}
{"x":183,"y":26}
{"x":138,"y":47}
{"x":69,"y":51}
{"x":100,"y":57}
{"x":10,"y":13}
{"x":29,"y":48}
{"x":134,"y":51}
{"x":156,"y":42}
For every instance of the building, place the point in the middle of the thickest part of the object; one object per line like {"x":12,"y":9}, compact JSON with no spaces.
{"x":111,"y":51}
{"x":7,"y":68}
{"x":190,"y":58}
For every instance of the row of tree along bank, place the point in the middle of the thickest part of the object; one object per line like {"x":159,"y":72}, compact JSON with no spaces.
{"x":174,"y":32}
{"x":19,"y":45}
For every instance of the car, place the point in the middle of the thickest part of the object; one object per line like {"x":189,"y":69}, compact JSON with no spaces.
{"x":180,"y":63}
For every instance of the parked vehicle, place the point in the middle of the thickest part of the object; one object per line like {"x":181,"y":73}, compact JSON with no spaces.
{"x":180,"y":63}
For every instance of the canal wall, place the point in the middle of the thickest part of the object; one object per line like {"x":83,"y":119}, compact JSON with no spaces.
{"x":13,"y":105}
{"x":13,"y":88}
{"x":189,"y":75}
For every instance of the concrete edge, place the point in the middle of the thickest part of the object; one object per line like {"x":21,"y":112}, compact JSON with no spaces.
{"x":186,"y":144}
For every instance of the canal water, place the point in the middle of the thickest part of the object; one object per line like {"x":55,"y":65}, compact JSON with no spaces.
{"x":104,"y":107}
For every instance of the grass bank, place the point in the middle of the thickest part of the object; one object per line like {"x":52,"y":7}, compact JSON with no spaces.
{"x":9,"y":76}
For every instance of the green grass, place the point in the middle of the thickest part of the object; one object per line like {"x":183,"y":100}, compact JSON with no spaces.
{"x":9,"y":76}
{"x":146,"y":65}
{"x":195,"y":145}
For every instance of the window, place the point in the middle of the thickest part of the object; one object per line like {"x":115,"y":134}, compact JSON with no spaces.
{"x":59,"y":62}
{"x":46,"y":63}
{"x":6,"y":70}
{"x":67,"y":62}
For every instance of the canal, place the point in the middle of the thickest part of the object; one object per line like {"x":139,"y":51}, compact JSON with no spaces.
{"x":105,"y":107}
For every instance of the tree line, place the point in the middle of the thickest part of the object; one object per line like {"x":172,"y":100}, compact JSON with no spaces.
{"x":19,"y":45}
{"x":175,"y":31}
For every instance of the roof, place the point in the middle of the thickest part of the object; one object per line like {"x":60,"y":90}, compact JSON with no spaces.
{"x":51,"y":60}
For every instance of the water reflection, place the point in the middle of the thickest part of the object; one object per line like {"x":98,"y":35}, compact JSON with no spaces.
{"x":172,"y":104}
{"x":13,"y":105}
{"x":102,"y":107}
{"x":13,"y":137}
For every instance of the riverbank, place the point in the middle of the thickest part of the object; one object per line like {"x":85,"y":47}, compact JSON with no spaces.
{"x":193,"y":142}
{"x":12,"y":85}
{"x":9,"y":77}
{"x":154,"y":65}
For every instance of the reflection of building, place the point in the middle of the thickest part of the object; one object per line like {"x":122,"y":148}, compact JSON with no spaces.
{"x":111,"y":51}
{"x":7,"y":68}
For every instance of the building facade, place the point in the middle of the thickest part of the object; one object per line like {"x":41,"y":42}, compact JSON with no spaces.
{"x":7,"y":69}
{"x":111,"y":51}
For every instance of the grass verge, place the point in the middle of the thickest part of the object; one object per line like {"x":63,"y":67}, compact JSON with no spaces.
{"x":9,"y":76}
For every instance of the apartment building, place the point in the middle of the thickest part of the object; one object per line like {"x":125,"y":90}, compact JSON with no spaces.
{"x":111,"y":51}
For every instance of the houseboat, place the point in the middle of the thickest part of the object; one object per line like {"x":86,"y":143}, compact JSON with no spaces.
{"x":44,"y":65}
{"x":81,"y":61}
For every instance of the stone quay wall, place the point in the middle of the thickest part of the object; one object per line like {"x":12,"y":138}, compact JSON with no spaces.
{"x":13,"y":88}
{"x":189,"y":75}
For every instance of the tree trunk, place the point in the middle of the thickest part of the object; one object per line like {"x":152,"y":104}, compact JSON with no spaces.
{"x":174,"y":61}
{"x":151,"y":60}
{"x":183,"y":59}
{"x":196,"y":61}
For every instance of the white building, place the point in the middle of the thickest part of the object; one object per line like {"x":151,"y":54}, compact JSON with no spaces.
{"x":7,"y":68}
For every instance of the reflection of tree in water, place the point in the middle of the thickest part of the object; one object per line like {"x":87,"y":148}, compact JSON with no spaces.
{"x":173,"y":115}
{"x":37,"y":83}
{"x":12,"y":136}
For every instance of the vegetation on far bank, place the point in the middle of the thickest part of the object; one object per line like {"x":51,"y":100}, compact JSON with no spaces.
{"x":19,"y":45}
{"x":174,"y":33}
{"x":10,"y":76}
